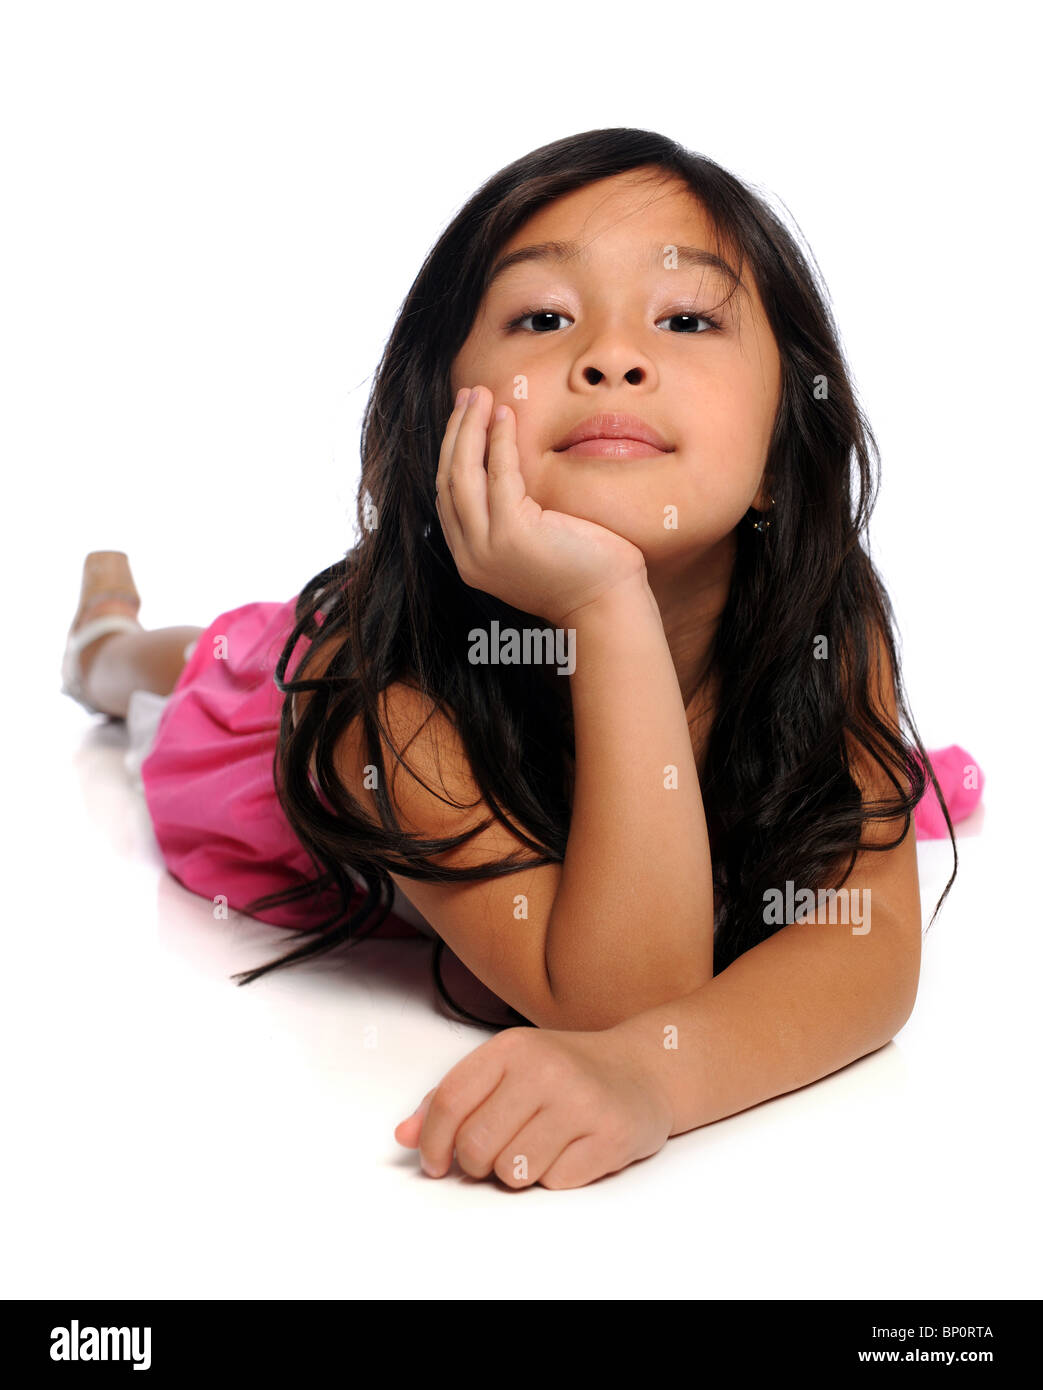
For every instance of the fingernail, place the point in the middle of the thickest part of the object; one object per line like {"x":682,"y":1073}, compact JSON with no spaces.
{"x":500,"y":413}
{"x":461,"y":395}
{"x":431,"y":1169}
{"x":473,"y":396}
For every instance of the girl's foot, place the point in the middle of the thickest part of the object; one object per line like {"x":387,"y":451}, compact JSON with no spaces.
{"x":107,"y":589}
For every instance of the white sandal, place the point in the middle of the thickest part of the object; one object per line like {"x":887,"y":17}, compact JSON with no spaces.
{"x":72,"y":676}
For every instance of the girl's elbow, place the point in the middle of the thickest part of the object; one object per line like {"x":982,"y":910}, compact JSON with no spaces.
{"x":902,"y":996}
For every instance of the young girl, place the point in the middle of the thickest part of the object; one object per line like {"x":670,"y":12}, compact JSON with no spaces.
{"x":607,"y":694}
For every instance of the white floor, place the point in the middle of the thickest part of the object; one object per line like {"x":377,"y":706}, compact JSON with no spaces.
{"x":172,"y":1135}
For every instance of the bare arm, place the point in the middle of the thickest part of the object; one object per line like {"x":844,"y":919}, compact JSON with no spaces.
{"x":813,"y":997}
{"x":632,"y":920}
{"x":802,"y":1004}
{"x":631,"y":929}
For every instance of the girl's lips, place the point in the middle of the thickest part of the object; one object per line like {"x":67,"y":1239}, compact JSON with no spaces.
{"x":614,"y":449}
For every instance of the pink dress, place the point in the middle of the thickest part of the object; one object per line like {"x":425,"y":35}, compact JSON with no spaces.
{"x":208,"y":776}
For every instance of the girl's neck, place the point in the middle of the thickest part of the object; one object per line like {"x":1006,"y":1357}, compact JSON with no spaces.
{"x":691,"y":599}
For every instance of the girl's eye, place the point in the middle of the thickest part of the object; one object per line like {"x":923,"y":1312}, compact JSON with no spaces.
{"x":690,"y":317}
{"x":536,"y":314}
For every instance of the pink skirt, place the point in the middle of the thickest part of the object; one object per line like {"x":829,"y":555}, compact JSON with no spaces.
{"x":208,"y":775}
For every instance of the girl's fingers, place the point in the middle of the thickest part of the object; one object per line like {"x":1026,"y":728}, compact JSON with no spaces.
{"x":411,"y":1126}
{"x":445,"y":505}
{"x":538,"y":1146}
{"x":465,"y":472}
{"x":505,"y":486}
{"x":492,"y":1134}
{"x":466,"y":493}
{"x":461,"y":1092}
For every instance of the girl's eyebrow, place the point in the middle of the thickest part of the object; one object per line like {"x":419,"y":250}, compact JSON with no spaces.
{"x":560,"y":251}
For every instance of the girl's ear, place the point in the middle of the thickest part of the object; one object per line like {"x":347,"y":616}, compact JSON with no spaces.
{"x":759,"y":513}
{"x":763,"y":501}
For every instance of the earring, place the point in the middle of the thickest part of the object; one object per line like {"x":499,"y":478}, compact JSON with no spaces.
{"x":760,"y":521}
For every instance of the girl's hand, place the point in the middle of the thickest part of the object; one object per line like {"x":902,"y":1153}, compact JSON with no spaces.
{"x":535,"y":1105}
{"x":504,"y":542}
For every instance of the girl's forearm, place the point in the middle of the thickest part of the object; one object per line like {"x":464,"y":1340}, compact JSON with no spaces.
{"x":632,"y":922}
{"x":800,"y":1005}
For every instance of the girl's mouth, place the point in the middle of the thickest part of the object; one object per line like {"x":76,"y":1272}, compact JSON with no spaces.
{"x":620,"y":448}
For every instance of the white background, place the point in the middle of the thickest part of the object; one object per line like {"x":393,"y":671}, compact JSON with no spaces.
{"x":211,"y":214}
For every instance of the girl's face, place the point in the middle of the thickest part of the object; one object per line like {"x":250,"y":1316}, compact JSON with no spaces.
{"x":603,"y":331}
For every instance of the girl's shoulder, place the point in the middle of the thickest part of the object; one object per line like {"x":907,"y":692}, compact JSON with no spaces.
{"x":313,"y":667}
{"x":402,"y":703}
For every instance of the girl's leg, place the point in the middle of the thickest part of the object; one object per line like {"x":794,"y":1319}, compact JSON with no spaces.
{"x":120,"y":662}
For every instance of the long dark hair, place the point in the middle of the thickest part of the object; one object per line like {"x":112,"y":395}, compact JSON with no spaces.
{"x":780,"y":800}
